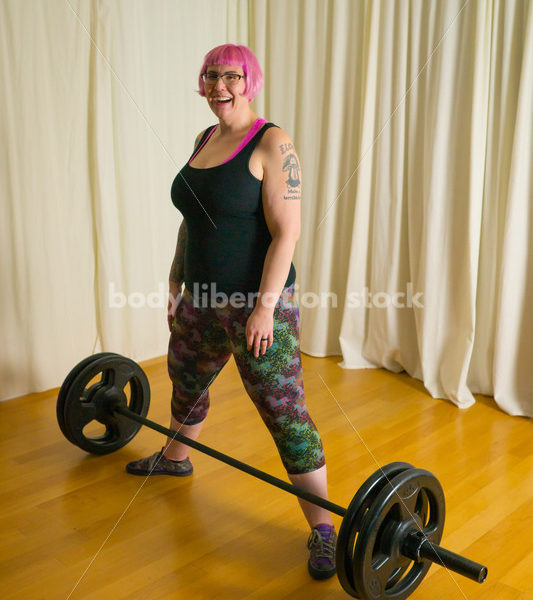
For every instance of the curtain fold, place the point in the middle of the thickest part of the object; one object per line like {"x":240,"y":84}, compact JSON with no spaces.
{"x":413,"y":124}
{"x":512,"y":346}
{"x":46,"y":296}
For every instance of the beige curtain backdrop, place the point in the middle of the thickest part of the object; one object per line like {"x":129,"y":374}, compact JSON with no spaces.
{"x":413,"y":123}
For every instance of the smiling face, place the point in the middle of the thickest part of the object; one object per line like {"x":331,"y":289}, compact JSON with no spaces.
{"x":225,"y":95}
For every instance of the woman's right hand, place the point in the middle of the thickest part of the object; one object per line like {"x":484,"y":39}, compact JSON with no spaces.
{"x":174,"y":297}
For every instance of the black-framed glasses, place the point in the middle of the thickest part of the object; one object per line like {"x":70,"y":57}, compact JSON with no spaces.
{"x":229,"y":79}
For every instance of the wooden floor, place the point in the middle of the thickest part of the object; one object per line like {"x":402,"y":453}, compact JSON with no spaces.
{"x":77,"y":526}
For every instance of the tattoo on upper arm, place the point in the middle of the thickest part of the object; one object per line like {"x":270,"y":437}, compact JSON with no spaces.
{"x":292,"y":168}
{"x":286,"y":147}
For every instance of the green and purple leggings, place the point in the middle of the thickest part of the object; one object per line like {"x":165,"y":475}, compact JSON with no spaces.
{"x":202,"y":341}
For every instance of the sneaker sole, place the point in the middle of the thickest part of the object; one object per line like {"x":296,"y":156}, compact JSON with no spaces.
{"x":319,"y":573}
{"x":146,"y":473}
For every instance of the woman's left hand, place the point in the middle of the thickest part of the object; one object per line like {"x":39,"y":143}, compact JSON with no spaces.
{"x":260,"y":325}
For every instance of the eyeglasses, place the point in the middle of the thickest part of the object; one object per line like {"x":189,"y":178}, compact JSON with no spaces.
{"x":229,"y":79}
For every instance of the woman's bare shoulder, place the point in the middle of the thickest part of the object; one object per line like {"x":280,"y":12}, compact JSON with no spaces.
{"x":276,"y":139}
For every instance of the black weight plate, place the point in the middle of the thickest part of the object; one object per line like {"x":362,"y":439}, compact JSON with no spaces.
{"x":60,"y":404}
{"x":352,"y":520}
{"x":412,"y":500}
{"x":83,"y":404}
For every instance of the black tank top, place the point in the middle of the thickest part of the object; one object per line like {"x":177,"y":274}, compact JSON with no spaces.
{"x":227,"y":235}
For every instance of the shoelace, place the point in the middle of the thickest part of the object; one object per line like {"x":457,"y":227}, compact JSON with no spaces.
{"x":322,"y":548}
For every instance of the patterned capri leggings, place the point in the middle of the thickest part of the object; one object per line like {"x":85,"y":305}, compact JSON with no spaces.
{"x":202,"y":341}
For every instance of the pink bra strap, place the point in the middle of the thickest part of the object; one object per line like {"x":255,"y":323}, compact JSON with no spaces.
{"x":253,"y":130}
{"x":203,"y":143}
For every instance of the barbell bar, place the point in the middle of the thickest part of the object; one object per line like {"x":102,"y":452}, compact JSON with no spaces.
{"x":390,"y":532}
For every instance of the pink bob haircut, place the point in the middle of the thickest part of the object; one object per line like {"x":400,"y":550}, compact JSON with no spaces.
{"x":230,"y":54}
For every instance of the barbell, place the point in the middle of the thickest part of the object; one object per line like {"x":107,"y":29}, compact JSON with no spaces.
{"x":390,"y":532}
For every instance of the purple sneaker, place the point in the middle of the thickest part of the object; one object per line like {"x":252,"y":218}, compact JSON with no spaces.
{"x":158,"y":464}
{"x":321,"y":544}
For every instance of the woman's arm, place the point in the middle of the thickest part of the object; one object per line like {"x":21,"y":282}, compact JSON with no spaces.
{"x":177,"y":270}
{"x":176,"y":275}
{"x":281,"y":205}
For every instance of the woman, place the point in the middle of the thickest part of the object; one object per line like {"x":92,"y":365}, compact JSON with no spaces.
{"x":240,"y":198}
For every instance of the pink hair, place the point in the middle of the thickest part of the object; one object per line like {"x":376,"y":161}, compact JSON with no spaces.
{"x":230,"y":54}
